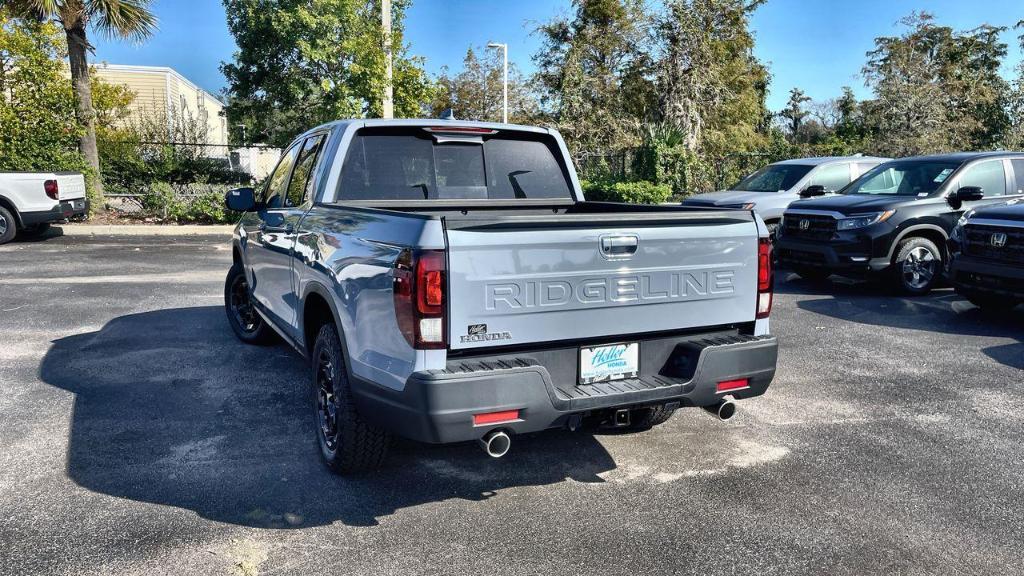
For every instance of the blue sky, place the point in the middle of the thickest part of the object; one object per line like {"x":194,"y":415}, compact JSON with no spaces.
{"x":817,"y":45}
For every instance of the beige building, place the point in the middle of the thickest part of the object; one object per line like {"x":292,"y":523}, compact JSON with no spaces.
{"x":163,"y":92}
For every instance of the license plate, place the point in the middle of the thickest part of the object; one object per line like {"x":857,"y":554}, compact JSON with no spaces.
{"x":612,"y":362}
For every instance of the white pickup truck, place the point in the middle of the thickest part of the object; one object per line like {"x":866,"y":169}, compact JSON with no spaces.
{"x":30,"y":201}
{"x":449,"y":282}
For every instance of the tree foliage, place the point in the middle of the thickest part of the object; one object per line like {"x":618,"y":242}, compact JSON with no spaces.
{"x":38,"y":129}
{"x":594,"y":73}
{"x":475,"y":93}
{"x":304,"y":62}
{"x":936,"y":89}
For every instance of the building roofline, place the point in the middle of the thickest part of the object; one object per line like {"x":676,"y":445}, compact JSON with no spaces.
{"x":156,"y":70}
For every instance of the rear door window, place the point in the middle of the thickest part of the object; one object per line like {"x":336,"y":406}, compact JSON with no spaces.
{"x":414,"y":164}
{"x":277,"y":184}
{"x":833,"y":177}
{"x":989,"y":176}
{"x":301,"y":184}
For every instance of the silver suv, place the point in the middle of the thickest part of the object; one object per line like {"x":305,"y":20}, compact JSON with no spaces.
{"x":770,"y":190}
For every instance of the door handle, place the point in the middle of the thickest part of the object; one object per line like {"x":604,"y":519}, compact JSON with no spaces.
{"x":619,"y":246}
{"x":285,"y":229}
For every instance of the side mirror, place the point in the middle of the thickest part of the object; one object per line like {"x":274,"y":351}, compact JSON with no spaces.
{"x":241,"y":199}
{"x":812,"y":191}
{"x":969,"y":193}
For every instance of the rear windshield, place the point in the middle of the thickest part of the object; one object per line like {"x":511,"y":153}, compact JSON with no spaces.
{"x":773,"y":178}
{"x":414,"y":164}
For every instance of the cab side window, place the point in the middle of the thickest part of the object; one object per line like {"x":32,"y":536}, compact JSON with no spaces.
{"x":832,"y":177}
{"x":277,"y":184}
{"x":300,"y":187}
{"x":989,"y":176}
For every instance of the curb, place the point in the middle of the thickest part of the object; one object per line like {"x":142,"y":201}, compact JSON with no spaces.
{"x":144,"y":230}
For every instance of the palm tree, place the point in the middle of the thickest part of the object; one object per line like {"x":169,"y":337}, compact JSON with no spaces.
{"x":127,"y":19}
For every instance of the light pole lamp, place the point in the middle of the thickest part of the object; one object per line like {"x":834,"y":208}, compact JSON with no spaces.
{"x":504,"y":81}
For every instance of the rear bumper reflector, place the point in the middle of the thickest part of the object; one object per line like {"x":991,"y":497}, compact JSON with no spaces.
{"x":495,"y":417}
{"x":730,"y":385}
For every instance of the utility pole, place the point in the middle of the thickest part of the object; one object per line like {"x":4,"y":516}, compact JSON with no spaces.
{"x":504,"y":82}
{"x":388,"y":105}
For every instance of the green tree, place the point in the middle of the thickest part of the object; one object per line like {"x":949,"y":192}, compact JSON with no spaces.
{"x":304,"y":62}
{"x":936,"y":89}
{"x":127,"y":19}
{"x":475,"y":93}
{"x":38,"y":128}
{"x":588,"y":66}
{"x":1014,"y":139}
{"x":794,"y":112}
{"x":711,"y":84}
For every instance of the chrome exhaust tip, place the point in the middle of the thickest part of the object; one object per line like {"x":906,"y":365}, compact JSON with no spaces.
{"x":496,"y":443}
{"x":724,"y":410}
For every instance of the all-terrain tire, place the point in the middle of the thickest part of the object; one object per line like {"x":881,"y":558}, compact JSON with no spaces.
{"x":8,"y":226}
{"x":647,"y":418}
{"x":246,"y":323}
{"x":348,"y":443}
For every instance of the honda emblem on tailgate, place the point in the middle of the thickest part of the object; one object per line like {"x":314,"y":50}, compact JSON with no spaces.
{"x":998,"y":239}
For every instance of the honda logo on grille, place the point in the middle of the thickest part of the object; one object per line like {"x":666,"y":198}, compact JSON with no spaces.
{"x":805,"y":224}
{"x":998,"y":239}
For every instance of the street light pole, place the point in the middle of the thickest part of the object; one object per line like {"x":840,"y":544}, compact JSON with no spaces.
{"x":388,"y":104}
{"x":504,"y":81}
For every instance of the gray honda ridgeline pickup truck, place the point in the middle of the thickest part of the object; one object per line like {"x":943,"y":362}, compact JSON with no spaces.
{"x":448,"y":282}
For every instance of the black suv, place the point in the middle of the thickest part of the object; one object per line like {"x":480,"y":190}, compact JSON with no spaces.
{"x":896,"y":218}
{"x":986,"y":252}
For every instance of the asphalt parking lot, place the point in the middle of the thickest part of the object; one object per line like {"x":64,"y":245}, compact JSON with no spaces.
{"x":137,"y":436}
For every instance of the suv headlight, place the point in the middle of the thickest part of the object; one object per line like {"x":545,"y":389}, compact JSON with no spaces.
{"x":863,"y":220}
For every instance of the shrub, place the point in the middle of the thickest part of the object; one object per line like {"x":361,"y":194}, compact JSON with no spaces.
{"x":641,"y":192}
{"x":192,"y":203}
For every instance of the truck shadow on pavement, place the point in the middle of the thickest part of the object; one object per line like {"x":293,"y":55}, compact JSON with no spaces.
{"x":941,"y":311}
{"x":171,"y":409}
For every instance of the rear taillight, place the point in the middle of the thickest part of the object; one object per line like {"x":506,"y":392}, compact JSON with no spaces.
{"x":764,"y":278}
{"x":51,"y":189}
{"x":419,"y":293}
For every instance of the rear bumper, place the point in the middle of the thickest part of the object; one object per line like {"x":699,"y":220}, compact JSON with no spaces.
{"x":438,"y":406}
{"x":981,"y":276}
{"x":62,"y":211}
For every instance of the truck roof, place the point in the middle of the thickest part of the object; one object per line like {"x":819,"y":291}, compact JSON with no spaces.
{"x":428,"y":122}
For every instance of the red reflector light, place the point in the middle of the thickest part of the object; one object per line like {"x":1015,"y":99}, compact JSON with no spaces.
{"x":51,"y":189}
{"x":495,"y":417}
{"x":729,"y":385}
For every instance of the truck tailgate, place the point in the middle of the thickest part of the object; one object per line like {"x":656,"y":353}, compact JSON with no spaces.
{"x":517,"y":281}
{"x":71,"y":185}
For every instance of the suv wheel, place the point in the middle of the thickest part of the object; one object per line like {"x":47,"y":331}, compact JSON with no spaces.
{"x":8,"y":227}
{"x":917,"y":266}
{"x":348,"y":443}
{"x":247,"y":324}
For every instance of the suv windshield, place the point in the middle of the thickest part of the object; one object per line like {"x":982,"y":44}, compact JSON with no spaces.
{"x":413,"y":164}
{"x":904,"y":178}
{"x":773,"y":178}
